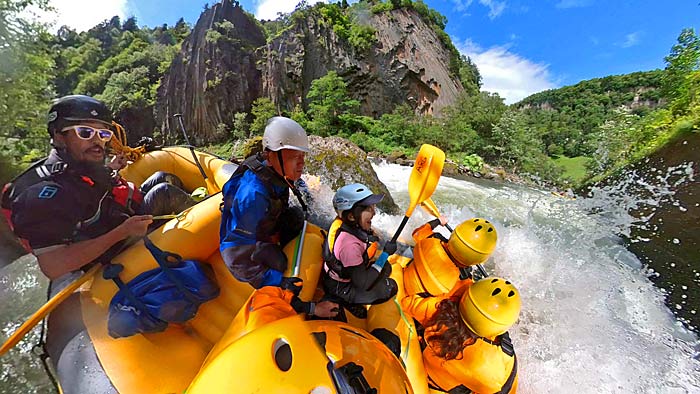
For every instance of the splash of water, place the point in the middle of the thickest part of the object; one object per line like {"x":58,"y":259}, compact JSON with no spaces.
{"x":592,"y":321}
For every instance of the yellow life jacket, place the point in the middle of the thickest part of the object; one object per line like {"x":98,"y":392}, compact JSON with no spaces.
{"x":485,"y":367}
{"x":432,"y":272}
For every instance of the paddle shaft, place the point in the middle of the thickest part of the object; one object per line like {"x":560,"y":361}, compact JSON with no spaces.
{"x":194,"y":155}
{"x":398,"y":230}
{"x":49,"y":306}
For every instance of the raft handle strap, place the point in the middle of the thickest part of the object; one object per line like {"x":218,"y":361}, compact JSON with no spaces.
{"x":163,"y":258}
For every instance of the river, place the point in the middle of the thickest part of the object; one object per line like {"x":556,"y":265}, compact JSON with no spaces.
{"x":592,"y":320}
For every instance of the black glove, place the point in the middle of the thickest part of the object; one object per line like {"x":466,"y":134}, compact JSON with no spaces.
{"x":270,"y":255}
{"x":292,"y":284}
{"x":390,"y":248}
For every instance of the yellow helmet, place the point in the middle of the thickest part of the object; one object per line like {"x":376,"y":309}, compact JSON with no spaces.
{"x":310,"y":357}
{"x":490,"y":306}
{"x":472,"y":242}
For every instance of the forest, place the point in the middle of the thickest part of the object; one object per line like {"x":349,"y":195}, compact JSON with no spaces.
{"x":567,"y":137}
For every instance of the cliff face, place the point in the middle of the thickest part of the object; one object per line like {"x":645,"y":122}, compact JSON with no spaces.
{"x":406,"y":64}
{"x":214,"y":75}
{"x":226,"y":64}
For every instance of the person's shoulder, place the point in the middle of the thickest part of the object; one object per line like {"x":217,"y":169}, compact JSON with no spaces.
{"x":44,"y":192}
{"x":250,"y":184}
{"x":345,"y":239}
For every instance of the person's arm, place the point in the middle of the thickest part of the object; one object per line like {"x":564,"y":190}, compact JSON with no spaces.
{"x":62,"y":259}
{"x":364,"y":277}
{"x":422,"y":308}
{"x":426,"y":230}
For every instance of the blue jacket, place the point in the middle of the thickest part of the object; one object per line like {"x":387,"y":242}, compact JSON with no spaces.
{"x":252,"y":205}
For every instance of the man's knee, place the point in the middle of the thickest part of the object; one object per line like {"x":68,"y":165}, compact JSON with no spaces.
{"x":165,"y":198}
{"x":161,"y":177}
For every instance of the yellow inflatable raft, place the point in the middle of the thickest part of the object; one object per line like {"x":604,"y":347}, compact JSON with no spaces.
{"x":204,"y":355}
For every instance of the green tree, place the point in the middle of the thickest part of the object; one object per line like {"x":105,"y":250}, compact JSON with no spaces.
{"x":181,"y":30}
{"x":241,"y":126}
{"x":614,"y":140}
{"x":469,"y":122}
{"x":328,"y":99}
{"x":515,"y":145}
{"x":25,"y":89}
{"x":470,"y":76}
{"x":680,"y":63}
{"x":130,"y":24}
{"x":262,"y":110}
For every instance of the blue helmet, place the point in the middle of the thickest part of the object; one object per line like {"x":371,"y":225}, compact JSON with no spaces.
{"x":347,"y":196}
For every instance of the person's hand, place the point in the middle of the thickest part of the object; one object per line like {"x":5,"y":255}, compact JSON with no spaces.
{"x":135,"y":226}
{"x":326,"y":309}
{"x":443,"y":220}
{"x":118,"y":162}
{"x":292,"y":284}
{"x":390,"y":248}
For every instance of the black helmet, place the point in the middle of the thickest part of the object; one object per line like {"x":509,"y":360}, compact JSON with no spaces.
{"x":76,"y":108}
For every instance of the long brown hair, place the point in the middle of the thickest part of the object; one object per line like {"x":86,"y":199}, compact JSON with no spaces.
{"x":449,"y":335}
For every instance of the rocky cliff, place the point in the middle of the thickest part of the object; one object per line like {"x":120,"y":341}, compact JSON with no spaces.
{"x":226,"y":64}
{"x":215,"y":74}
{"x":406,"y":64}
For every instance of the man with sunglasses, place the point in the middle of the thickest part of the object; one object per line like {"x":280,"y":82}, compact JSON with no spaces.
{"x":71,"y":209}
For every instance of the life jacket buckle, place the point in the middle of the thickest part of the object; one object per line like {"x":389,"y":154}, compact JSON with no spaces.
{"x":506,"y":344}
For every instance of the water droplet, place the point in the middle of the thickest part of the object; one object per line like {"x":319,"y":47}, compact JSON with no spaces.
{"x":678,"y":307}
{"x":673,"y":265}
{"x":684,"y":287}
{"x":676,"y":241}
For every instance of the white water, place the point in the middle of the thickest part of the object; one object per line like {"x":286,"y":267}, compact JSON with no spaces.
{"x":592,"y":322}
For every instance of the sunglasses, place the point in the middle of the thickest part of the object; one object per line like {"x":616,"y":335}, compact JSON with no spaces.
{"x":87,"y":132}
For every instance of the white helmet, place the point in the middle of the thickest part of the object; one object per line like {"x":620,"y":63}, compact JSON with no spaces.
{"x":284,"y":133}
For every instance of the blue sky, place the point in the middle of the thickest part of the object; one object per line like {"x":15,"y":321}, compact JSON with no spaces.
{"x":521,"y":47}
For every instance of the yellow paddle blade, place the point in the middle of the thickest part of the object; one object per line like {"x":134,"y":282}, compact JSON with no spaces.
{"x":430,"y":207}
{"x":425,"y":175}
{"x":49,"y":306}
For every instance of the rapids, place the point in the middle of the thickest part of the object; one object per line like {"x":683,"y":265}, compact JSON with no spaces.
{"x":592,"y":320}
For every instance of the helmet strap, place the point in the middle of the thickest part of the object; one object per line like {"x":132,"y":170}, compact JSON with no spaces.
{"x":281,"y":160}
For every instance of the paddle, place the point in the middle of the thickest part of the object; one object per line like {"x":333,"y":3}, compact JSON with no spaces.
{"x":49,"y":306}
{"x":430,"y":206}
{"x":211,"y":188}
{"x":425,"y":175}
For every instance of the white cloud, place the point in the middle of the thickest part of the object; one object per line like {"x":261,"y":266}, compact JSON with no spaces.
{"x":462,"y":5}
{"x":268,"y":9}
{"x":631,"y":40}
{"x":574,"y":3}
{"x":510,"y":75}
{"x":495,"y":7}
{"x":81,"y":15}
